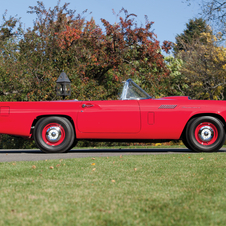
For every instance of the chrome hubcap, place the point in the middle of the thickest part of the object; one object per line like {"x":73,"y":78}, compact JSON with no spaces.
{"x":206,"y":133}
{"x":53,"y":134}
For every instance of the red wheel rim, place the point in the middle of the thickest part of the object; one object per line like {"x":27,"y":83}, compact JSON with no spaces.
{"x":206,"y":133}
{"x":53,"y":134}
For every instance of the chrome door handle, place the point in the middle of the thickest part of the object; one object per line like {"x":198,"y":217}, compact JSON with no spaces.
{"x":87,"y":105}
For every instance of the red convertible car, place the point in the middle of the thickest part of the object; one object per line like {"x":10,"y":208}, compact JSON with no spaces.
{"x":56,"y":126}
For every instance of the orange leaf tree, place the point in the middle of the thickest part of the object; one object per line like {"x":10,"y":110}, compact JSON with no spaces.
{"x":96,"y":59}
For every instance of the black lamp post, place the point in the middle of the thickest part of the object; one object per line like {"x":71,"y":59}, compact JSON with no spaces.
{"x":63,"y":85}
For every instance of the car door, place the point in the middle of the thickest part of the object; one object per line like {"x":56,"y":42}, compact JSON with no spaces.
{"x":163,"y":118}
{"x":114,"y":116}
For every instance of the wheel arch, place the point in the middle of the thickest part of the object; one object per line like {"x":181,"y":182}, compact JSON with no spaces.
{"x":45,"y":116}
{"x":221,"y":119}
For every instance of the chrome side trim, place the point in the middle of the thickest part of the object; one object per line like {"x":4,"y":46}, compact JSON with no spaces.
{"x":167,"y":106}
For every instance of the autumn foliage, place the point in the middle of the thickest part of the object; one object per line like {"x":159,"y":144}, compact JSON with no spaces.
{"x":198,"y":67}
{"x":96,"y":58}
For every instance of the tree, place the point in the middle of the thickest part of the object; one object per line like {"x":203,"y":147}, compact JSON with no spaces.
{"x":91,"y":57}
{"x":214,"y":11}
{"x":10,"y":33}
{"x":193,"y":31}
{"x":122,"y":50}
{"x":177,"y":82}
{"x":204,"y":68}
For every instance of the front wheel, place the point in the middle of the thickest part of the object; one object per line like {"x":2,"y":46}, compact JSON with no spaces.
{"x":54,"y":134}
{"x":205,"y":134}
{"x":186,"y":144}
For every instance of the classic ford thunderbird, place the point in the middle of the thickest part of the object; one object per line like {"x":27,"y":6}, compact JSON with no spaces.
{"x":56,"y":126}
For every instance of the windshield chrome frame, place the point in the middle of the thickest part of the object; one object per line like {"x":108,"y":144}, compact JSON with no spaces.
{"x":125,"y":90}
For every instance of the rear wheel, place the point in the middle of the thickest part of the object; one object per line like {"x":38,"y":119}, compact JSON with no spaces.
{"x":73,"y":144}
{"x":54,"y":134}
{"x":205,"y":134}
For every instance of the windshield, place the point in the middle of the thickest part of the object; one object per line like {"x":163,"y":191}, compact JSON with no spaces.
{"x":131,"y":91}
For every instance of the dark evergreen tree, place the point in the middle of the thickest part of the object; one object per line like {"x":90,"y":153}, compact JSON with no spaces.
{"x":193,"y":31}
{"x":214,"y":12}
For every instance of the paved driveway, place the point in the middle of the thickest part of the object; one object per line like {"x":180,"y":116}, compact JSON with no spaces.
{"x":35,"y":154}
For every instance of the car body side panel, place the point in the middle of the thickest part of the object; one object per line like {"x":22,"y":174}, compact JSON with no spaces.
{"x":22,"y":114}
{"x":164,"y":118}
{"x":143,"y":119}
{"x":167,"y":122}
{"x":170,"y":116}
{"x":116,"y":116}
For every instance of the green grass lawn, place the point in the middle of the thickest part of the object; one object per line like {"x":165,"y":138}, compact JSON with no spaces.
{"x":178,"y":189}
